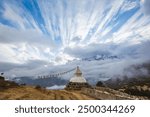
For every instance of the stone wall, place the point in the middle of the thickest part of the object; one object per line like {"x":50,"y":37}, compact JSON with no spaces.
{"x":102,"y":93}
{"x":76,"y":86}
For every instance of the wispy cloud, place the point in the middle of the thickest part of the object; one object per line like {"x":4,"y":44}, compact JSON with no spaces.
{"x":58,"y":31}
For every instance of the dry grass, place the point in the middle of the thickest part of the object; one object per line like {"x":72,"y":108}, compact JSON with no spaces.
{"x":31,"y":93}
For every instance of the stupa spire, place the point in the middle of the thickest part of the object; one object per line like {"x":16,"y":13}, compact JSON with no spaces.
{"x":78,"y":72}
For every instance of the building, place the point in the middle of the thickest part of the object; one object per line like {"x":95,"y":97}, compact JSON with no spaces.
{"x":77,"y":82}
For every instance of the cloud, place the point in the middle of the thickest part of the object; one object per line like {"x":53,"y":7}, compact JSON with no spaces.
{"x":89,"y":50}
{"x":56,"y":87}
{"x":143,"y":51}
{"x":28,"y":44}
{"x":92,"y":70}
{"x":30,"y":68}
{"x":146,"y":6}
{"x":110,"y":49}
{"x":39,"y":37}
{"x":19,"y":36}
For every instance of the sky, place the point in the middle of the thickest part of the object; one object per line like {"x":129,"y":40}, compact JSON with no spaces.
{"x":40,"y":35}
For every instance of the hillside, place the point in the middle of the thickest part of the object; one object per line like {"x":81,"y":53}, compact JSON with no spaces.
{"x":11,"y":90}
{"x":134,"y":86}
{"x":32,"y":93}
{"x":7,"y":84}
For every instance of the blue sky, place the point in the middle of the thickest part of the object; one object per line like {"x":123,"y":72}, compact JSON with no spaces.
{"x":54,"y":31}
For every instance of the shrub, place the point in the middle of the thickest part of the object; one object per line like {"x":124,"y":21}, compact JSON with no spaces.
{"x":38,"y":87}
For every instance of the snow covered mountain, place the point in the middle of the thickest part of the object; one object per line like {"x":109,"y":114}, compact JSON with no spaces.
{"x":100,"y":57}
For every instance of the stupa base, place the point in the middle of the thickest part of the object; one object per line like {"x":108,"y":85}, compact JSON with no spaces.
{"x":76,"y":86}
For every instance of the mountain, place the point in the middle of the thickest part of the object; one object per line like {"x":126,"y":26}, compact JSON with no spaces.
{"x":100,"y":57}
{"x":139,"y":86}
{"x":10,"y":90}
{"x":139,"y":78}
{"x":47,"y":82}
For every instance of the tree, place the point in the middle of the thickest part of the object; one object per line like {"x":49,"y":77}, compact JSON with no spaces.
{"x":100,"y":84}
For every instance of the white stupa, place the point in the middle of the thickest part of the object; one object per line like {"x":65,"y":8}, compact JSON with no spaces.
{"x":78,"y":77}
{"x":77,"y":81}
